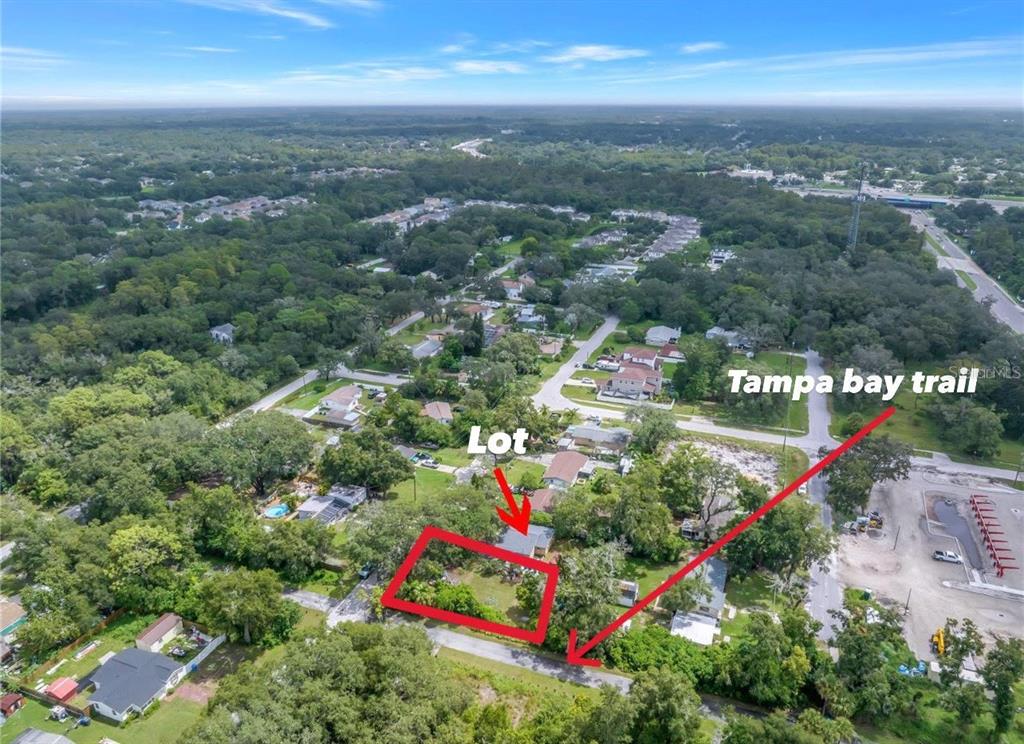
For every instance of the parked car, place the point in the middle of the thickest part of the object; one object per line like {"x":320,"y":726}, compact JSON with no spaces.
{"x":948,"y":556}
{"x":365,"y":571}
{"x":803,"y":489}
{"x":587,"y":380}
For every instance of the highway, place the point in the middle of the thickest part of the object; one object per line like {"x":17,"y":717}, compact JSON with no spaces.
{"x":1003,"y":306}
{"x":877,"y":192}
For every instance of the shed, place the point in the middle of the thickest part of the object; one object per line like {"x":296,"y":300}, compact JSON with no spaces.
{"x":163,"y":629}
{"x":62,"y":688}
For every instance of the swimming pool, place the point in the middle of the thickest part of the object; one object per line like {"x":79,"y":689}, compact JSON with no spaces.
{"x":276,"y":511}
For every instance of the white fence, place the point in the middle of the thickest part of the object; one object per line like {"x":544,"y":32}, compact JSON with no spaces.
{"x":194,"y":663}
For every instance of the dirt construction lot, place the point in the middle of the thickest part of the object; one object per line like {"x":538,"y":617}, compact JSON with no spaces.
{"x":899,"y":568}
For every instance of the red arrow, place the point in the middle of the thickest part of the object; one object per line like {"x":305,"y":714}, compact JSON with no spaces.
{"x":516,"y":518}
{"x":575,"y":655}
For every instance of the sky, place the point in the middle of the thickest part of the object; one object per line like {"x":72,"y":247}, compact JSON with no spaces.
{"x":139,"y":53}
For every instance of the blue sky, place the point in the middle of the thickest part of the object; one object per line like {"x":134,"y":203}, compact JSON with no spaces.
{"x":93,"y":53}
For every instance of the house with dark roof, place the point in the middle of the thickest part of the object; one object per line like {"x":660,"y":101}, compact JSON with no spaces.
{"x":564,"y":469}
{"x":534,"y":544}
{"x":333,"y":505}
{"x":131,"y":681}
{"x":159,"y":632}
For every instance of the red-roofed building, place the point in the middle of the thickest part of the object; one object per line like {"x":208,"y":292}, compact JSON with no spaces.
{"x":438,"y":410}
{"x":640,"y":355}
{"x":671,"y":353}
{"x":62,"y":688}
{"x":543,"y":499}
{"x":633,"y":380}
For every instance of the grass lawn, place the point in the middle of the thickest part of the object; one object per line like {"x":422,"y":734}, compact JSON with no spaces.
{"x":335,"y":584}
{"x":910,"y":424}
{"x":747,"y":594}
{"x":524,"y":690}
{"x":968,"y":280}
{"x":648,"y":574}
{"x":454,"y":456}
{"x":117,"y":636}
{"x":518,"y":468}
{"x":165,"y":724}
{"x":493,"y":592}
{"x":309,"y":395}
{"x":412,"y":335}
{"x":424,"y":484}
{"x":935,"y":244}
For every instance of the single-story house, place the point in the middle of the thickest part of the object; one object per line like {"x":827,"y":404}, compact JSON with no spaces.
{"x":528,"y":316}
{"x":702,"y":624}
{"x":131,"y":681}
{"x":732,"y":339}
{"x":660,"y":335}
{"x":223,"y":334}
{"x":405,"y":451}
{"x":513,"y":288}
{"x":163,"y":629}
{"x":12,"y":615}
{"x":671,"y":353}
{"x":718,"y":257}
{"x":344,"y":399}
{"x":36,"y":736}
{"x":333,"y":505}
{"x":551,"y":348}
{"x":342,"y":419}
{"x":564,"y":469}
{"x":438,"y":410}
{"x":615,"y":439}
{"x":477,"y":309}
{"x":427,"y":348}
{"x":640,"y":355}
{"x":534,"y":544}
{"x":11,"y":702}
{"x":628,"y":592}
{"x":62,"y":689}
{"x":543,"y":499}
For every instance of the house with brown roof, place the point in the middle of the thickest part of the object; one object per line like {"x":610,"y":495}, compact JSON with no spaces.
{"x":344,"y":399}
{"x":564,"y":469}
{"x":543,"y":499}
{"x":640,"y":355}
{"x":159,"y":632}
{"x":477,"y":309}
{"x":11,"y":702}
{"x":633,"y":381}
{"x":671,"y":353}
{"x":438,"y":410}
{"x":551,"y":348}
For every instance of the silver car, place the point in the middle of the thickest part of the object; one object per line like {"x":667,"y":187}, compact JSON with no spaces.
{"x":948,"y":556}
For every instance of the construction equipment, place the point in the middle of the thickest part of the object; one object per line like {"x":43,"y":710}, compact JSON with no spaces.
{"x":875,"y":520}
{"x":938,"y":642}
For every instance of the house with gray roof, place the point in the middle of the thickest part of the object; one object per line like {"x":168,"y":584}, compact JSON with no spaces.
{"x":333,"y":505}
{"x":131,"y":681}
{"x":223,"y":334}
{"x":534,"y":544}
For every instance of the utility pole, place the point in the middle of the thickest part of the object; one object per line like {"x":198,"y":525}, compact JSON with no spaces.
{"x":858,"y":199}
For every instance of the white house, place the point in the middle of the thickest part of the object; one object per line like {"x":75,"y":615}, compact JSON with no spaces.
{"x":131,"y":681}
{"x":344,"y":399}
{"x":223,"y":334}
{"x":162,"y":630}
{"x":660,"y":335}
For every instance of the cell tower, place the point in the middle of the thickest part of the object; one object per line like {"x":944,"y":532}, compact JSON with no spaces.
{"x":851,"y":236}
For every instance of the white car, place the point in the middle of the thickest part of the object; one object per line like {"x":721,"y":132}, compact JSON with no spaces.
{"x":948,"y":556}
{"x":802,"y":490}
{"x":587,"y":380}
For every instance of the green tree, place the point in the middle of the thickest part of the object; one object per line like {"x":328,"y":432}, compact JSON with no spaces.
{"x":145,"y":567}
{"x":1004,"y":668}
{"x":263,"y":447}
{"x":652,"y":427}
{"x":364,"y":458}
{"x":667,"y":709}
{"x":247,"y":606}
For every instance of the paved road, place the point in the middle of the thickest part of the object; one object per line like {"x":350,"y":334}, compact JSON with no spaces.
{"x":404,"y":323}
{"x":1003,"y":306}
{"x":525,"y":659}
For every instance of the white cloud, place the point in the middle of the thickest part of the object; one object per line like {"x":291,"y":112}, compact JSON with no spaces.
{"x":31,"y":60}
{"x":452,"y":48}
{"x":266,"y":7}
{"x":594,"y":53}
{"x":488,"y":67}
{"x":211,"y":50}
{"x":268,"y":37}
{"x":365,"y":73}
{"x":353,"y":4}
{"x":701,"y":46}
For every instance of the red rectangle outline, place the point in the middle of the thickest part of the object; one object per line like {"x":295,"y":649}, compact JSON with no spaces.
{"x":390,"y":600}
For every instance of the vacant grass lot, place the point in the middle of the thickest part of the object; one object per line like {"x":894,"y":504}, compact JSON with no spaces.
{"x":493,"y":592}
{"x":910,"y":424}
{"x":425,"y":484}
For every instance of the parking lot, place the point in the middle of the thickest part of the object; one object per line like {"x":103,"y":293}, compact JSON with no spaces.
{"x":896,"y":564}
